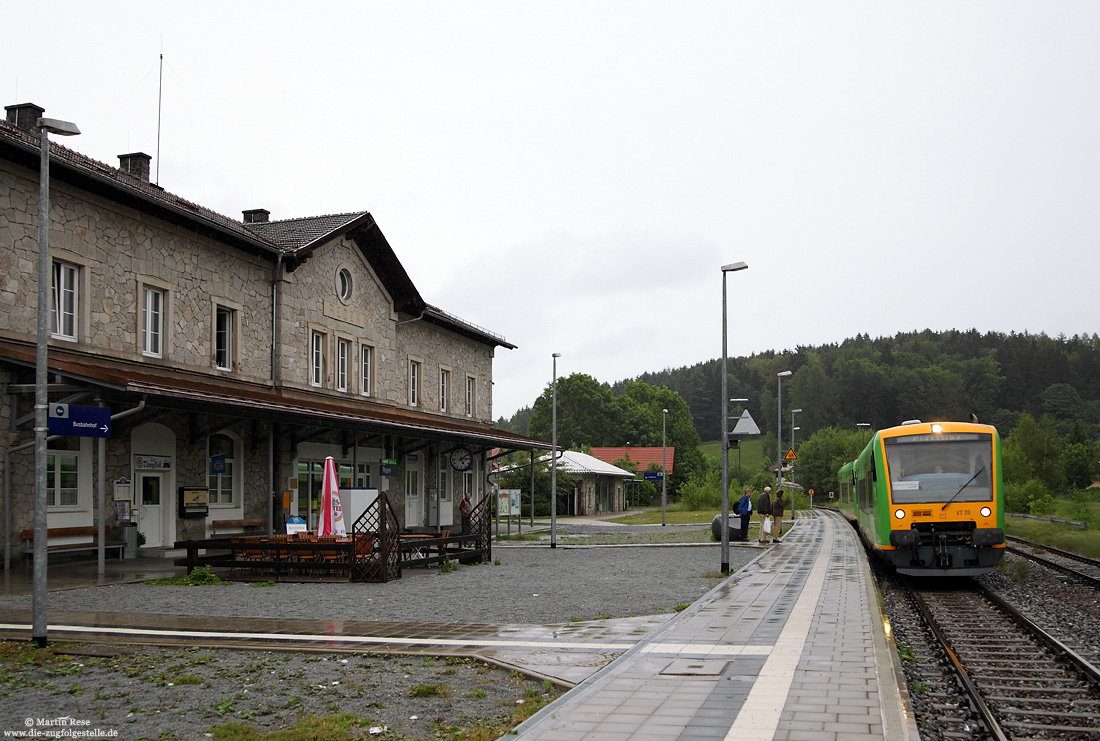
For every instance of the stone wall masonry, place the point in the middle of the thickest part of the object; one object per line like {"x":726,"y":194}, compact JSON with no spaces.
{"x":368,"y":317}
{"x":120,"y":247}
{"x":464,"y":357}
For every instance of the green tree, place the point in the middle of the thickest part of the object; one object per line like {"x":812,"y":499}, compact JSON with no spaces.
{"x":1078,"y":465}
{"x":822,"y":454}
{"x":1038,"y":441}
{"x":587,"y":414}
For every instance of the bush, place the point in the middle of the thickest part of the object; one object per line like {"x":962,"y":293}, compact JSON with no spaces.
{"x":701,"y":492}
{"x":1039,"y":501}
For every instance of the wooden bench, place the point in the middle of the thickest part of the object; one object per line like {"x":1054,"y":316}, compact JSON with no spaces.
{"x":69,"y":532}
{"x":242,"y":524}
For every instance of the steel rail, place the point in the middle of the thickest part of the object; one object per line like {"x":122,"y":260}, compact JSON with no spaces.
{"x":1030,"y":554}
{"x":972,"y":691}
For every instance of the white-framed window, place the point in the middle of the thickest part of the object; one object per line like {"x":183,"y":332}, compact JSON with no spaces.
{"x":62,"y":475}
{"x":471,"y":395}
{"x":316,"y":358}
{"x":366,"y":370}
{"x":444,"y":388}
{"x":224,"y":328}
{"x":152,"y":322}
{"x":63,"y":310}
{"x":414,"y":383}
{"x":222,"y":454}
{"x":343,"y":357}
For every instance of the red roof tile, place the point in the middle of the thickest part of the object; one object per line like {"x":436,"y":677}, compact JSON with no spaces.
{"x":642,"y":456}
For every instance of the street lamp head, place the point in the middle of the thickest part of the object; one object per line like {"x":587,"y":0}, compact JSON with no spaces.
{"x":734,"y":266}
{"x":783,"y":374}
{"x":795,"y":411}
{"x":738,"y":401}
{"x":57,"y":126}
{"x":863,"y":424}
{"x":556,"y":355}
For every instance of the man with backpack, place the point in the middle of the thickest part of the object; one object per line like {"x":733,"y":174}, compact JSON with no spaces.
{"x":744,"y":508}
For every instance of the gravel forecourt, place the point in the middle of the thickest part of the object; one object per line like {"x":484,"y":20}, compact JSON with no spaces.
{"x":195,"y":692}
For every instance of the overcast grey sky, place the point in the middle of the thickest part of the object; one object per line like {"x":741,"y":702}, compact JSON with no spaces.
{"x":572,"y":175}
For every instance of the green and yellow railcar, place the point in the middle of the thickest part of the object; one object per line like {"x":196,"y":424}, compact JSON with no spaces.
{"x":928,"y":498}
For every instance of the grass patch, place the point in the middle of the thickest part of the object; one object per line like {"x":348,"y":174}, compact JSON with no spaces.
{"x":1066,"y":537}
{"x":672,"y":517}
{"x":428,"y":690}
{"x":203,"y":576}
{"x":262,"y":584}
{"x":519,"y":537}
{"x":335,"y":727}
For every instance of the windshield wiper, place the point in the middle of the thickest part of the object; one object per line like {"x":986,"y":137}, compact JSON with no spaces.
{"x":952,"y":499}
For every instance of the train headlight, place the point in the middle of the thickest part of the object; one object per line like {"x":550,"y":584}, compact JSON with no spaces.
{"x":986,"y":511}
{"x":937,"y":428}
{"x":900,"y":514}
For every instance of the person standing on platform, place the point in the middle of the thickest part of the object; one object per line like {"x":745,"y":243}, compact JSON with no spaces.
{"x":764,"y":507}
{"x":779,"y":506}
{"x":465,"y":507}
{"x":744,"y":508}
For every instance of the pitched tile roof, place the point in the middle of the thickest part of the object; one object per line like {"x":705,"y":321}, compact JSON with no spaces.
{"x":642,"y":456}
{"x":296,"y":234}
{"x":297,"y":237}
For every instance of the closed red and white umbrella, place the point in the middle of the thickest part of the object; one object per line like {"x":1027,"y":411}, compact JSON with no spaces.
{"x":332,"y":513}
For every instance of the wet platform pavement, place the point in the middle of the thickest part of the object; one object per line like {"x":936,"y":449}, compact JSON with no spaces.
{"x":792,"y":646}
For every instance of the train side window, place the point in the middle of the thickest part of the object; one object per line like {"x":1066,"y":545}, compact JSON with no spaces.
{"x":874,"y":471}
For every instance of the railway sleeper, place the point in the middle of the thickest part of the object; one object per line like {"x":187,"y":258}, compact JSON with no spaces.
{"x":1090,"y":718}
{"x":1059,"y":701}
{"x":1032,"y":727}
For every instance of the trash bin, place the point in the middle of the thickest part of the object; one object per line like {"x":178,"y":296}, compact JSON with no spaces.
{"x":733,"y":524}
{"x":129,"y":540}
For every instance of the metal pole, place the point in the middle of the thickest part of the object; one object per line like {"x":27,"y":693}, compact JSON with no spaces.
{"x":779,"y":437}
{"x":101,"y":465}
{"x":532,"y":487}
{"x":793,"y":412}
{"x":554,"y":456}
{"x":664,"y":468}
{"x":724,"y":526}
{"x":41,"y":399}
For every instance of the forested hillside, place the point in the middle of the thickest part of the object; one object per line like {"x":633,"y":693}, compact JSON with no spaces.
{"x":884,"y":381}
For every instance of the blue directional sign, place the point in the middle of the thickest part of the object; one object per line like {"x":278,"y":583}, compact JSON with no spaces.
{"x":79,"y":421}
{"x":652,"y":475}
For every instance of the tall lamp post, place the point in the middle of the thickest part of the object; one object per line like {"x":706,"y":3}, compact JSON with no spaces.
{"x":554,"y":456}
{"x":863,"y":425}
{"x":46,"y":126}
{"x":779,"y":431}
{"x":793,"y":428}
{"x":731,"y":268}
{"x":664,"y":467}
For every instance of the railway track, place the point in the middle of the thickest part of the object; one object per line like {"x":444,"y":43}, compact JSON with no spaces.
{"x":1022,"y":682}
{"x":1086,"y":569}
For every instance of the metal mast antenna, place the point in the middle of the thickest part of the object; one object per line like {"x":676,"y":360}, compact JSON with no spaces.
{"x":160,"y":94}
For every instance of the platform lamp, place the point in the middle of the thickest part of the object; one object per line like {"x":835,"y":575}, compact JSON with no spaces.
{"x":779,"y":430}
{"x":793,"y":428}
{"x":664,"y":467}
{"x":46,"y":126}
{"x":862,"y":424}
{"x":554,"y":456}
{"x":731,"y":268}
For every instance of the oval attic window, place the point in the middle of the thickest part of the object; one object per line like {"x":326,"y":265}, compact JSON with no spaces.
{"x":343,"y":284}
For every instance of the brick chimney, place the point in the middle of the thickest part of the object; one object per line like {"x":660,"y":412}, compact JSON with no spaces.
{"x":256,"y":215}
{"x":135,"y":164}
{"x":25,"y":116}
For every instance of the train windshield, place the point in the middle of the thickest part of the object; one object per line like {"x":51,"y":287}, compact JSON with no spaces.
{"x":934,"y":468}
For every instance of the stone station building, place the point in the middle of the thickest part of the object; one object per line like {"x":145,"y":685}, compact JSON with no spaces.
{"x":234,"y":356}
